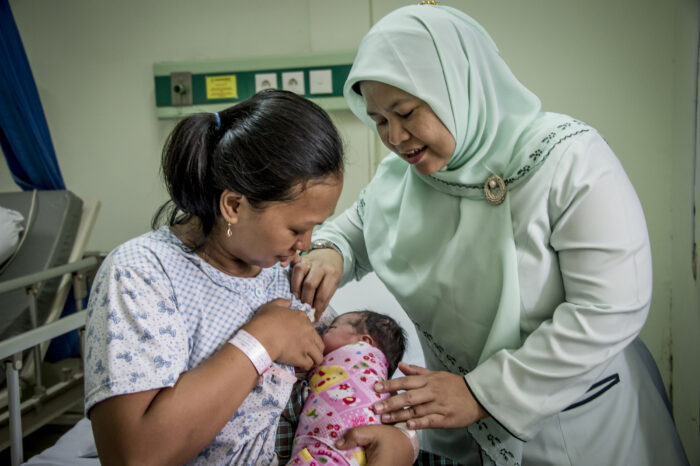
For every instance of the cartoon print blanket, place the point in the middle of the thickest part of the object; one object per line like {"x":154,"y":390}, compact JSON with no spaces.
{"x":342,"y":393}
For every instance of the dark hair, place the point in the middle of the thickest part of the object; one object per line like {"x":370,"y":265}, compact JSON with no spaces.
{"x":263,"y":148}
{"x":386,"y":333}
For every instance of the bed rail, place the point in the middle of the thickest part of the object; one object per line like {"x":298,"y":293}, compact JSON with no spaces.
{"x":12,"y":348}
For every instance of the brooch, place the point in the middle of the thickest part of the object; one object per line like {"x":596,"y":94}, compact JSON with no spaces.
{"x":495,"y":189}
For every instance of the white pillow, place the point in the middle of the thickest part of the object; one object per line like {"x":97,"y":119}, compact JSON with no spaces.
{"x":11,"y":227}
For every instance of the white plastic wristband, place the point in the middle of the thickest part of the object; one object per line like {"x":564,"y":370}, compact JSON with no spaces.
{"x":252,"y":348}
{"x":412,"y":436}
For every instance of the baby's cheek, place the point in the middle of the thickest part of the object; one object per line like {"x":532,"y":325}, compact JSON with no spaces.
{"x":327,"y":343}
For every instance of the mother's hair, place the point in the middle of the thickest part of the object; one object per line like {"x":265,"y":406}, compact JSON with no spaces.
{"x":264,"y":148}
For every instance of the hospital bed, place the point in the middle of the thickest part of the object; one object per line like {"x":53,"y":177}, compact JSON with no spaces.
{"x":77,"y":447}
{"x":49,"y":262}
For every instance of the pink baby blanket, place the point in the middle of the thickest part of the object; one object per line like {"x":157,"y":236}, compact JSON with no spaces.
{"x":342,"y":393}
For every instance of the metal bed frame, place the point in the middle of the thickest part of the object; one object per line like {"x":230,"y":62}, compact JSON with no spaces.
{"x":46,"y":403}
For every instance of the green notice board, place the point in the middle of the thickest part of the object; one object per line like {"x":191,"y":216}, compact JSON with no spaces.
{"x":216,"y":84}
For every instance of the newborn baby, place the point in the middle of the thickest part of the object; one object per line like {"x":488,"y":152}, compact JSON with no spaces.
{"x":361,"y":349}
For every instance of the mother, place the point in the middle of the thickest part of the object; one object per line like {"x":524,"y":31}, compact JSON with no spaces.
{"x":516,"y":244}
{"x":163,"y":385}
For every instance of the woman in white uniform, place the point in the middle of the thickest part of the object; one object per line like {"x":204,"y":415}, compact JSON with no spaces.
{"x":518,"y":247}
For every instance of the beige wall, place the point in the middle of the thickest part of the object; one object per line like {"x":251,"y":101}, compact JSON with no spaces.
{"x":685,"y":289}
{"x":626,"y":67}
{"x":92,"y":61}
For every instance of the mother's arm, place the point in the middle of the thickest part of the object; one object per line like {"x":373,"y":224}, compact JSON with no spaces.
{"x":171,"y":425}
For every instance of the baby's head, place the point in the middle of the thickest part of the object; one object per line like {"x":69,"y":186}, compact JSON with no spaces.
{"x":378,"y":330}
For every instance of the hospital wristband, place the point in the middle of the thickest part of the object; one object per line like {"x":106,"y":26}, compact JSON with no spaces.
{"x":412,"y":436}
{"x":253,"y":349}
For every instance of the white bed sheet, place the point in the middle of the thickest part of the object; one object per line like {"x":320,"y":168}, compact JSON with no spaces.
{"x":371,"y":294}
{"x":70,"y":449}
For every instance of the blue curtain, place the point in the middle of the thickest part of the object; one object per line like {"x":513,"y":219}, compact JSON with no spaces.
{"x":24,"y":134}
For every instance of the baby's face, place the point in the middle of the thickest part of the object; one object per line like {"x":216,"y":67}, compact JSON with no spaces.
{"x":340,"y":333}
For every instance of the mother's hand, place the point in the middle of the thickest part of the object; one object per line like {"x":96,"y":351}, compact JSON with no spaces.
{"x":286,"y":334}
{"x":383,"y":444}
{"x":316,"y":276}
{"x":431,"y":400}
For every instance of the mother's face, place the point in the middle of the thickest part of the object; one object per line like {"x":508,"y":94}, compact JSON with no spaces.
{"x":262,"y":237}
{"x":408,"y":126}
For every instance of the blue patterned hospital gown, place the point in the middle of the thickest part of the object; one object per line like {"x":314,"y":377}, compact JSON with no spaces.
{"x":157,"y":310}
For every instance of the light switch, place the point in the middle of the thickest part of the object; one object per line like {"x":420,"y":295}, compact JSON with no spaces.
{"x":320,"y":82}
{"x":265,"y":81}
{"x":293,"y":81}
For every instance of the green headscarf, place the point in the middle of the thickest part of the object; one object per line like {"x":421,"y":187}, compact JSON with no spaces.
{"x":447,"y":254}
{"x":434,"y":240}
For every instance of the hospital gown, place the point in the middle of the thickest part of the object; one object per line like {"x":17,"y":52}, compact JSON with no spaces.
{"x":157,"y":310}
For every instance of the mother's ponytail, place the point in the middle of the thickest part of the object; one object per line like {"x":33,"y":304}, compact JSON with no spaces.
{"x":185,"y":166}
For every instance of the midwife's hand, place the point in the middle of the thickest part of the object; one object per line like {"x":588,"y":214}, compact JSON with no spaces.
{"x":287,"y":335}
{"x":432,"y":400}
{"x":316,"y":276}
{"x":383,"y":444}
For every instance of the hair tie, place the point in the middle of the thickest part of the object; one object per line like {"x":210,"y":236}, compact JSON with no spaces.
{"x":218,"y":120}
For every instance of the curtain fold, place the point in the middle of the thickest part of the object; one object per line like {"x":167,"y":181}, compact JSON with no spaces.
{"x":24,"y":134}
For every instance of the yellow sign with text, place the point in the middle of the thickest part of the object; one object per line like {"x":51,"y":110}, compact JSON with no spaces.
{"x":222,"y":87}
